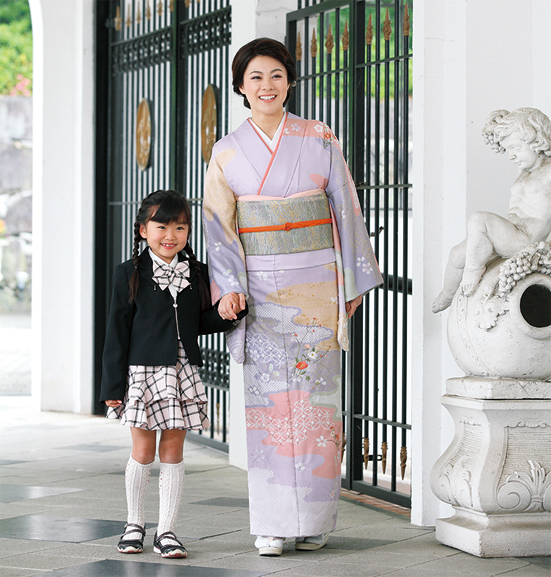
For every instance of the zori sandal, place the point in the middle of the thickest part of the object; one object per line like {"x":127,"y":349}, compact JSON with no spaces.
{"x":172,"y":549}
{"x":269,"y":546}
{"x":131,"y":545}
{"x":311,"y":543}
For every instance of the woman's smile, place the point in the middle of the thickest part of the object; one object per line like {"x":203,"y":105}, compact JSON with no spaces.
{"x":265,"y":85}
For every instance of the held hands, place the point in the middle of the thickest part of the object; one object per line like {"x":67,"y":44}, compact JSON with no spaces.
{"x":113,"y":404}
{"x":231,"y":304}
{"x":351,"y":306}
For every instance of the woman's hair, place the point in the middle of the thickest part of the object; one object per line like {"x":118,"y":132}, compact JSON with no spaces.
{"x":164,"y":206}
{"x":262,"y":47}
{"x":533,"y":126}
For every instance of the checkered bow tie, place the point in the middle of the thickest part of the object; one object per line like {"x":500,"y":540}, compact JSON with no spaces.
{"x":164,"y":275}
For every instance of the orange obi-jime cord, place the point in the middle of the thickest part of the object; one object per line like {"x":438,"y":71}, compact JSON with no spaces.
{"x":285,"y":226}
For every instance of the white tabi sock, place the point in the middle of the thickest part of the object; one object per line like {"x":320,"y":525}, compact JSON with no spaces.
{"x":171,"y":489}
{"x":136,"y":480}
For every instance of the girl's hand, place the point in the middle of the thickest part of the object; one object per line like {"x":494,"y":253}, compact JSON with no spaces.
{"x":351,"y":306}
{"x":231,"y":304}
{"x":113,"y":404}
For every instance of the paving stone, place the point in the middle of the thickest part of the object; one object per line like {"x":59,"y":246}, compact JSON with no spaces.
{"x":67,"y":472}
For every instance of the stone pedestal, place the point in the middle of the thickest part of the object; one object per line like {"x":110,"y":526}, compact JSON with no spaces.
{"x":497,"y":471}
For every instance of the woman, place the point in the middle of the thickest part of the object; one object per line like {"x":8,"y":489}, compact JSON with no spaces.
{"x":284,"y":229}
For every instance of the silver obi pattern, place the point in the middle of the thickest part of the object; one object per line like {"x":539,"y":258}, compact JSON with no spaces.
{"x":262,"y":213}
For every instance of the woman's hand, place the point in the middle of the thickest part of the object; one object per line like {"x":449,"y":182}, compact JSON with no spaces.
{"x":113,"y":404}
{"x":351,"y":306}
{"x":231,"y":304}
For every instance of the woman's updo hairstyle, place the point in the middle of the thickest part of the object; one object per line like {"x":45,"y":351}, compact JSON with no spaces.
{"x":262,"y":47}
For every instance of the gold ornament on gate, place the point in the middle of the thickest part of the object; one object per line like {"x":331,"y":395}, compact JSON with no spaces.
{"x":143,"y":135}
{"x":209,"y":122}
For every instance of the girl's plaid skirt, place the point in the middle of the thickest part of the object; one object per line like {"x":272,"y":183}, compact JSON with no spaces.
{"x":164,"y":397}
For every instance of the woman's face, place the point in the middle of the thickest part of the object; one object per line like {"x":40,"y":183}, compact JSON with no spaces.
{"x":265,"y":85}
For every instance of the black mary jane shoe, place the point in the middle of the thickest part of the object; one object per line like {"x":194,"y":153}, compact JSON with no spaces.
{"x":170,"y":550}
{"x":131,"y":545}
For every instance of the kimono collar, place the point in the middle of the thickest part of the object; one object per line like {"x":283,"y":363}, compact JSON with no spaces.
{"x":271,"y":143}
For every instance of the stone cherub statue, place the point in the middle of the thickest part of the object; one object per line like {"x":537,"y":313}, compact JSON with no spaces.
{"x":525,"y":134}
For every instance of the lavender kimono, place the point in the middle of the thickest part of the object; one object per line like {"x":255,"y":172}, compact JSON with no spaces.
{"x":290,"y":342}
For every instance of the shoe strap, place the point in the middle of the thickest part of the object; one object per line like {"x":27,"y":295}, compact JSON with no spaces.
{"x":168,"y":535}
{"x":133,"y":528}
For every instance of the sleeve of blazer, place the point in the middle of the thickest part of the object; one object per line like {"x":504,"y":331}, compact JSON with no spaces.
{"x":117,"y":340}
{"x":211,"y":321}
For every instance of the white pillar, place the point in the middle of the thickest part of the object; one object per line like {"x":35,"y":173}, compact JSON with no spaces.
{"x":272,"y":18}
{"x":470,"y":58}
{"x":63,"y":204}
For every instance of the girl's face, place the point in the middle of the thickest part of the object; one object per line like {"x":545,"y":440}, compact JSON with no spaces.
{"x":265,"y":85}
{"x":519,"y":151}
{"x":165,"y":240}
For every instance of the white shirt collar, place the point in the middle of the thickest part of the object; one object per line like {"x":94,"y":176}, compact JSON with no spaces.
{"x":154,"y":257}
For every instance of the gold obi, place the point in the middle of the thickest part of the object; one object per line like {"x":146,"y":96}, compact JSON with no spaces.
{"x":285,"y":226}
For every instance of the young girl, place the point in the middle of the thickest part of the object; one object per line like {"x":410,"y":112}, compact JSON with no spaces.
{"x":150,"y":380}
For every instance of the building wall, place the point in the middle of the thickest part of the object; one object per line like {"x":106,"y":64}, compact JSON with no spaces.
{"x":470,"y":57}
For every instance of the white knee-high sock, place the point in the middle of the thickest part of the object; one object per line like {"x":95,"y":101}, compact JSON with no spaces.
{"x":171,"y":489}
{"x":136,"y":480}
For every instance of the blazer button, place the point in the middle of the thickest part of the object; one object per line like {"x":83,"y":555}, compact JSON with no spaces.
{"x":175,"y":305}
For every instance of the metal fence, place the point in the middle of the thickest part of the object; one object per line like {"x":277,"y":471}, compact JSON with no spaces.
{"x":156,"y":60}
{"x":354,"y":60}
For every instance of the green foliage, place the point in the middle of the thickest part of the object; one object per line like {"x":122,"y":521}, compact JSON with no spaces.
{"x":379,"y":65}
{"x":16,"y":47}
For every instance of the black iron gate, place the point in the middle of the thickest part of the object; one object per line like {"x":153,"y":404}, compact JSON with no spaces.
{"x":353,"y":59}
{"x":162,"y":100}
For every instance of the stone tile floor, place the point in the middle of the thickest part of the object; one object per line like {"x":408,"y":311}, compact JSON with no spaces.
{"x":62,"y":508}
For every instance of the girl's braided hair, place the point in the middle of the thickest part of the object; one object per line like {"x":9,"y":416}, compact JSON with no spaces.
{"x":164,"y":206}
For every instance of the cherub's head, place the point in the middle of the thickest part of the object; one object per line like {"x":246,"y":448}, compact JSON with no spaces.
{"x":528,"y":126}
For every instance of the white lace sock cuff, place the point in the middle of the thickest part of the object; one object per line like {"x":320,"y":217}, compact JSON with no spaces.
{"x":171,"y":489}
{"x":136,"y":481}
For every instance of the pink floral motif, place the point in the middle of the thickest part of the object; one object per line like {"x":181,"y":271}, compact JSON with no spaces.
{"x":308,"y":354}
{"x":299,"y":428}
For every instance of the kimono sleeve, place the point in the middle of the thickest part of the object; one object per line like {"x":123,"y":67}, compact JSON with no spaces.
{"x":117,"y":340}
{"x":360,"y":269}
{"x":227,"y":269}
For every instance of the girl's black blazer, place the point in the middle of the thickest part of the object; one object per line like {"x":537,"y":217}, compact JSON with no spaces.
{"x":144,"y":332}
